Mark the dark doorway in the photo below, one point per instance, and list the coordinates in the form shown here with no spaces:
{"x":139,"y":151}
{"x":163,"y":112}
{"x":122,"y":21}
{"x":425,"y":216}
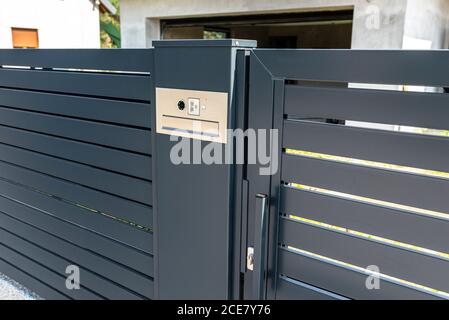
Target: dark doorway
{"x":319,"y":30}
{"x":283,"y":42}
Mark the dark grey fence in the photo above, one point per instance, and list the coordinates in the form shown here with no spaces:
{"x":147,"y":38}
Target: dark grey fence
{"x":75,"y":171}
{"x":322,"y":242}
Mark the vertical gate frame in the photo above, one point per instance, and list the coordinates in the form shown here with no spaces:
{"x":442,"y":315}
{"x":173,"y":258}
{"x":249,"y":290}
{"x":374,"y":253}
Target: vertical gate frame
{"x":264,"y":113}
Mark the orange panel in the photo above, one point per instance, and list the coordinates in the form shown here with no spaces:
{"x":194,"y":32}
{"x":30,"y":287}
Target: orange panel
{"x":25,"y":38}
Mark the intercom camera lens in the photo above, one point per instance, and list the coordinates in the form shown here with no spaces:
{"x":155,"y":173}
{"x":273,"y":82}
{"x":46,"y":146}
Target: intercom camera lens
{"x":181,"y":105}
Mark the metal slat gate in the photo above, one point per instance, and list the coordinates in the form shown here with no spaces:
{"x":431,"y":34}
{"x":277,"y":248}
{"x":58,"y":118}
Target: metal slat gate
{"x":75,"y":171}
{"x":353,"y":211}
{"x":347,"y":206}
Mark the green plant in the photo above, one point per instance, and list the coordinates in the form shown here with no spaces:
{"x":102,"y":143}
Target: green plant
{"x":110,"y":27}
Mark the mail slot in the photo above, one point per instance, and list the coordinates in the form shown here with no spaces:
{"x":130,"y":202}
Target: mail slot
{"x":189,"y":127}
{"x":201,"y":115}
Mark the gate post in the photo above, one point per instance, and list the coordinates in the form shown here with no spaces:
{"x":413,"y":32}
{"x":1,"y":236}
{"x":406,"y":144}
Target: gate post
{"x":193,"y":203}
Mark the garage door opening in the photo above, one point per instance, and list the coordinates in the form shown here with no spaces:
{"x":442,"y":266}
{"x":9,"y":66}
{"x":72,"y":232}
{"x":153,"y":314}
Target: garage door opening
{"x":319,"y":30}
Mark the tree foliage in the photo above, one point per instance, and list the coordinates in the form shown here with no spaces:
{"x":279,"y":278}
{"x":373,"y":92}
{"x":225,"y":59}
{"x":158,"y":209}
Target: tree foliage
{"x":110,"y":27}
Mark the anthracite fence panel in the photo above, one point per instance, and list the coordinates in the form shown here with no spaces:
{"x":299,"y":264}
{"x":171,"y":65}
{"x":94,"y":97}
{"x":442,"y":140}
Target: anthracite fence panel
{"x":76,"y":171}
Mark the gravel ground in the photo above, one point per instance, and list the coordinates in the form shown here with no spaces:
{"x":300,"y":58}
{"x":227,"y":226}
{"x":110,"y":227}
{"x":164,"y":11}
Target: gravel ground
{"x":11,"y":290}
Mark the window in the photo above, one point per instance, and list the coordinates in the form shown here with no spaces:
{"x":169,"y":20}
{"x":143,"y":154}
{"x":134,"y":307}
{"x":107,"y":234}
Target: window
{"x":25,"y":38}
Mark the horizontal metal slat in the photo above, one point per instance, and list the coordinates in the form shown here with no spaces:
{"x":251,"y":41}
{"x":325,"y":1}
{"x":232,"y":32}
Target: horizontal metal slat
{"x":101,"y":157}
{"x":137,"y":140}
{"x":81,"y":237}
{"x":30,"y":282}
{"x":392,"y":261}
{"x":425,"y":110}
{"x":410,"y":67}
{"x":406,"y":149}
{"x":140,"y":60}
{"x":58,"y":265}
{"x":419,"y":230}
{"x":123,"y":186}
{"x":120,"y":86}
{"x":86,"y":258}
{"x":103,"y":202}
{"x":343,"y":281}
{"x":399,"y":188}
{"x":76,"y":215}
{"x":107,"y":110}
{"x":288,"y":289}
{"x":47,"y":276}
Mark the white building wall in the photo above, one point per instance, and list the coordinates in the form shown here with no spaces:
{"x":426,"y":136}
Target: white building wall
{"x":60,"y":23}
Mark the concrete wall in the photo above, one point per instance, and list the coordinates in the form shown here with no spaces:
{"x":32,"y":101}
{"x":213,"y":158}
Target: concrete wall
{"x":137,"y":15}
{"x":381,"y":24}
{"x":378,"y":24}
{"x":427,"y":21}
{"x":60,"y":23}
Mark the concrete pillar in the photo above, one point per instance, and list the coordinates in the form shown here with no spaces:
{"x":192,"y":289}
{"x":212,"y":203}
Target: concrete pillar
{"x":152,"y":31}
{"x":426,"y":24}
{"x":400,"y":24}
{"x":378,"y":24}
{"x":133,"y":24}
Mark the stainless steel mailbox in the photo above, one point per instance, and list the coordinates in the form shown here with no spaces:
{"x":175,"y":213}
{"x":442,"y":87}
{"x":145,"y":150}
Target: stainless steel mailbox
{"x":201,"y":115}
